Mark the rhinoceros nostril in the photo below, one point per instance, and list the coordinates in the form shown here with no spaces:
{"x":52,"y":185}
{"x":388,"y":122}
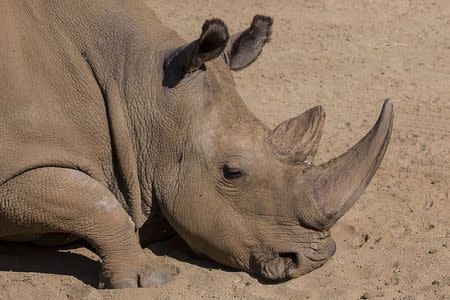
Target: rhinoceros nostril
{"x":291,"y":258}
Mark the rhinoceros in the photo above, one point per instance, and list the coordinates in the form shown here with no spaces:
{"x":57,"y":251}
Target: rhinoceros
{"x":116,"y":131}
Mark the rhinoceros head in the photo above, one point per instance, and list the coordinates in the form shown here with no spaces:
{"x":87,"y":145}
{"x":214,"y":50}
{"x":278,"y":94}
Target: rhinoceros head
{"x":240,"y":193}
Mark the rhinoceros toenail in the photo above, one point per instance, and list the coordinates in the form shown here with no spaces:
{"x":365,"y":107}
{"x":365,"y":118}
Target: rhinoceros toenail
{"x":155,"y":279}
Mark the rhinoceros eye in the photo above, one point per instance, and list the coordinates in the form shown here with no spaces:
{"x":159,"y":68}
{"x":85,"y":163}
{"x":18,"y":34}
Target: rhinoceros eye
{"x":230,"y":173}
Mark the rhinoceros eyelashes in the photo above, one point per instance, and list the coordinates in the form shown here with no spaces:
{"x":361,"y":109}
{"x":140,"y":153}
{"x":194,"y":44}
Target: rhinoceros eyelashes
{"x":230,"y":173}
{"x":191,"y":57}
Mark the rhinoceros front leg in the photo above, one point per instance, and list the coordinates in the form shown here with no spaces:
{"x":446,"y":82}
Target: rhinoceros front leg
{"x":63,"y":200}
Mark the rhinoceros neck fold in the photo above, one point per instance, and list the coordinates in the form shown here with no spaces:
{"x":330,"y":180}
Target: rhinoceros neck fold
{"x":122,"y":45}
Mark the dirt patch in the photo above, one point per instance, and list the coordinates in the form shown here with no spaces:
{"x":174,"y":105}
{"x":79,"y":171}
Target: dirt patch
{"x":347,"y":56}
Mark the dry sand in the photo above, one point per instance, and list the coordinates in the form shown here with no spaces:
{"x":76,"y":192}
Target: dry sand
{"x":347,"y":56}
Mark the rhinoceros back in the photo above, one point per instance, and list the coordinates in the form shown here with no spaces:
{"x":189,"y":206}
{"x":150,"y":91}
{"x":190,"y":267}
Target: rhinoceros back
{"x":51,"y":109}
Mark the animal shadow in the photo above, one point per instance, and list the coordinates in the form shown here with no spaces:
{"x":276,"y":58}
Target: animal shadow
{"x":25,"y":257}
{"x":177,"y":249}
{"x":48,"y":260}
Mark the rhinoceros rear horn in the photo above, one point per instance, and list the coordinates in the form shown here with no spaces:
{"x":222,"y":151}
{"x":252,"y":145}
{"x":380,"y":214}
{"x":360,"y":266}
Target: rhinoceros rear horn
{"x":335,"y":186}
{"x":297,"y":140}
{"x":192,"y":56}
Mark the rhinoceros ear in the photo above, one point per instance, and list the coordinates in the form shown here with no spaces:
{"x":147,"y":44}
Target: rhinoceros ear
{"x":245,"y":47}
{"x":296,"y":140}
{"x":192,"y":56}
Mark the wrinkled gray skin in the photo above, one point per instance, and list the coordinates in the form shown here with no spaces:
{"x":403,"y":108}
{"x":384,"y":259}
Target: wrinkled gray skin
{"x":115,"y":130}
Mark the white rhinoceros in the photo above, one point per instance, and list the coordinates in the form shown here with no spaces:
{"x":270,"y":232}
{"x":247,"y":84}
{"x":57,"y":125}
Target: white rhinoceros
{"x":114,"y":130}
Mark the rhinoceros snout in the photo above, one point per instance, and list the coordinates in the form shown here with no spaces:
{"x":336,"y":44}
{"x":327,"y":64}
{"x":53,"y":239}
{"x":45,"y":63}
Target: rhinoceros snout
{"x":282,"y":266}
{"x":311,"y":259}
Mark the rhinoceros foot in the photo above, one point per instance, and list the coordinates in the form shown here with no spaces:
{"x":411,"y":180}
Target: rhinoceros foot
{"x":144,"y":272}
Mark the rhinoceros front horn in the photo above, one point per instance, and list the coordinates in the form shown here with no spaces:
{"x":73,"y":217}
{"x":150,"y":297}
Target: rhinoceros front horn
{"x":335,"y":186}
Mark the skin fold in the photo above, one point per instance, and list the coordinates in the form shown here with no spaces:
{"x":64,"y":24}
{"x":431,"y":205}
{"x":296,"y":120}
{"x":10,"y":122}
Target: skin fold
{"x":115,"y":130}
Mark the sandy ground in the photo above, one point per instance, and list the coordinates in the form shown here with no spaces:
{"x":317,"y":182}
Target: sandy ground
{"x":347,"y":56}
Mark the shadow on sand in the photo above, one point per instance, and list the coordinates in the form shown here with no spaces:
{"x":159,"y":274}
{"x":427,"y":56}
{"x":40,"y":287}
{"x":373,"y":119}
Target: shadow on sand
{"x":25,"y":257}
{"x":177,"y":249}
